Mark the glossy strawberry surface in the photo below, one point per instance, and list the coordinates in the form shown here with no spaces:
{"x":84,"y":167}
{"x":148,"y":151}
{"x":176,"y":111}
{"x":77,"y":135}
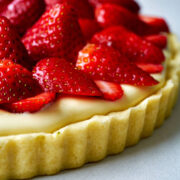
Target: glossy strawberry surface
{"x":58,"y":75}
{"x":16,"y":82}
{"x":151,"y":68}
{"x":128,"y":4}
{"x":11,"y":46}
{"x":156,"y":25}
{"x":107,"y":64}
{"x":4,"y":3}
{"x":89,"y":27}
{"x":23,"y":13}
{"x":56,"y":34}
{"x":158,"y":40}
{"x":82,"y":7}
{"x":130,"y":45}
{"x":32,"y":104}
{"x":108,"y":15}
{"x":111,"y":91}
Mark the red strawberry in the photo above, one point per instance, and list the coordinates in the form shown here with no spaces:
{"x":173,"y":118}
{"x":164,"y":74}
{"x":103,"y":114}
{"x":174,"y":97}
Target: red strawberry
{"x":57,"y":75}
{"x":16,"y":82}
{"x":151,"y":68}
{"x":83,"y":8}
{"x":111,"y":91}
{"x":56,"y":34}
{"x":156,"y":25}
{"x":131,"y":5}
{"x":110,"y":15}
{"x":32,"y":104}
{"x":4,"y":3}
{"x":11,"y":46}
{"x":107,"y":64}
{"x":130,"y":45}
{"x":158,"y":40}
{"x":89,"y":27}
{"x":23,"y":13}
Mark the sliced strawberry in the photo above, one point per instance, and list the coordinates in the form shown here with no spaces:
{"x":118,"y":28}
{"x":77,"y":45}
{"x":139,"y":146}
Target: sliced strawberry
{"x":111,"y":15}
{"x":107,"y":64}
{"x":32,"y":104}
{"x":158,"y":40}
{"x":83,"y":8}
{"x":156,"y":24}
{"x":151,"y":68}
{"x":56,"y":34}
{"x":130,"y":45}
{"x":89,"y":27}
{"x":57,"y":75}
{"x":23,"y":13}
{"x":16,"y":82}
{"x":111,"y":91}
{"x":131,"y":5}
{"x":11,"y":46}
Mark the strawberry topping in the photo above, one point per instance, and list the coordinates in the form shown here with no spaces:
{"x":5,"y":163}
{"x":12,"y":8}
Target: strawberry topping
{"x":151,"y":68}
{"x":32,"y":104}
{"x":23,"y":13}
{"x":131,"y":5}
{"x":123,"y":47}
{"x":130,"y":45}
{"x":111,"y":15}
{"x":107,"y":64}
{"x":111,"y":91}
{"x":82,"y":7}
{"x":156,"y":25}
{"x":158,"y":40}
{"x":58,"y":75}
{"x":4,"y":3}
{"x":10,"y":45}
{"x":16,"y":82}
{"x":89,"y":27}
{"x":56,"y":34}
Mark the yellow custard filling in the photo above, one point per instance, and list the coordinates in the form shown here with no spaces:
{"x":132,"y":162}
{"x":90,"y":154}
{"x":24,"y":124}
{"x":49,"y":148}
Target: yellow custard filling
{"x":68,"y":110}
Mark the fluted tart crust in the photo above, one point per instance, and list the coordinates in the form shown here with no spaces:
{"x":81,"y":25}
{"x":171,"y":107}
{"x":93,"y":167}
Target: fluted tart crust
{"x":28,"y":155}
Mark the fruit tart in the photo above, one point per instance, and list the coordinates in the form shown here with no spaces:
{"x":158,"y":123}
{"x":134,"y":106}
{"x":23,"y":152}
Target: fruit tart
{"x":80,"y":80}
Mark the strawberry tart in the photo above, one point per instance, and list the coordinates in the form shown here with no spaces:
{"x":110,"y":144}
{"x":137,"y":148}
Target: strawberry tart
{"x":80,"y":80}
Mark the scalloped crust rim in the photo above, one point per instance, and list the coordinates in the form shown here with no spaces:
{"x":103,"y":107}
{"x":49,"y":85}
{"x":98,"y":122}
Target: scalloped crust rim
{"x":26,"y":156}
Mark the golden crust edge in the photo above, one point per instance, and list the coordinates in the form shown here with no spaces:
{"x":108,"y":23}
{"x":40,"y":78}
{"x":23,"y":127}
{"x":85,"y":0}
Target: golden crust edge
{"x":26,"y":156}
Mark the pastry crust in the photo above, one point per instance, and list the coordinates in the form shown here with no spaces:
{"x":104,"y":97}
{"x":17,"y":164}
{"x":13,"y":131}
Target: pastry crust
{"x":25,"y":156}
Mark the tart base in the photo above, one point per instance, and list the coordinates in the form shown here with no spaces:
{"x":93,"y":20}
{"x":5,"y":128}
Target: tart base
{"x":29,"y":155}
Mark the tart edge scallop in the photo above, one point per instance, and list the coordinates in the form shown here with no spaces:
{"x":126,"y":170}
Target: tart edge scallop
{"x":29,"y":155}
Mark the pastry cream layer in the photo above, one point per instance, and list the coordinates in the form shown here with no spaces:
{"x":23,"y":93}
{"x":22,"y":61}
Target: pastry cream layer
{"x":69,"y":110}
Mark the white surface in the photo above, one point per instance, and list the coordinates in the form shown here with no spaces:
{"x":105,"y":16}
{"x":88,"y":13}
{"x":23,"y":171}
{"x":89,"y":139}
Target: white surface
{"x":155,"y":158}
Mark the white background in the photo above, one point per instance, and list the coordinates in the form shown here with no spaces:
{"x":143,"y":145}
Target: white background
{"x":155,"y":158}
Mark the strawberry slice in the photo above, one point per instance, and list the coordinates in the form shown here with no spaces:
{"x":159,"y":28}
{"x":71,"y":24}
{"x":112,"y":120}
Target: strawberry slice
{"x":130,"y":45}
{"x":156,"y":24}
{"x":11,"y":46}
{"x":107,"y":64}
{"x":83,"y":8}
{"x":131,"y":5}
{"x":16,"y":82}
{"x":111,"y":91}
{"x":32,"y":104}
{"x":89,"y":27}
{"x":23,"y":13}
{"x":111,"y":15}
{"x":151,"y":68}
{"x":59,"y":76}
{"x":56,"y":34}
{"x":158,"y":40}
